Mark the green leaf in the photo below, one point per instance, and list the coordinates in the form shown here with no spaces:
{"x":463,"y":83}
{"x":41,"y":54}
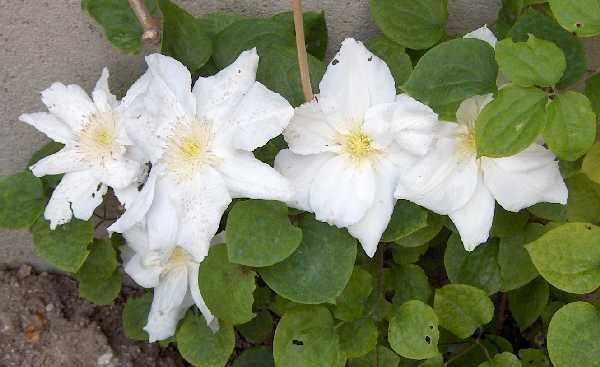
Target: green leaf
{"x":259,"y":233}
{"x":394,"y":56}
{"x":410,"y":283}
{"x":568,"y":257}
{"x":508,"y":223}
{"x":462,"y":309}
{"x":581,"y":17}
{"x":516,"y":268}
{"x":50,"y":181}
{"x":278,"y":70}
{"x":573,"y":336}
{"x":202,"y":347}
{"x":423,"y":235}
{"x":413,"y":24}
{"x":407,"y":218}
{"x":452,"y":72}
{"x":511,"y":122}
{"x":246,"y":34}
{"x":101,"y":291}
{"x":380,"y":357}
{"x":296,"y":320}
{"x":528,"y":303}
{"x":226,"y":288}
{"x":503,"y":360}
{"x":534,"y":62}
{"x":507,"y":16}
{"x":583,"y":204}
{"x":118,"y":21}
{"x":437,"y":361}
{"x":534,"y":358}
{"x":358,"y":337}
{"x":591,"y":163}
{"x":549,"y":211}
{"x":267,"y":152}
{"x":100,"y":264}
{"x":319,"y":269}
{"x":22,"y":200}
{"x":478,"y":268}
{"x":315,"y":347}
{"x":66,"y":247}
{"x":135,"y":316}
{"x":259,"y":329}
{"x":214,"y":23}
{"x":571,"y":127}
{"x":255,"y":357}
{"x":413,"y":331}
{"x":315,"y":30}
{"x":184,"y":37}
{"x":408,"y":255}
{"x":546,"y":28}
{"x":592,"y":91}
{"x":350,"y":304}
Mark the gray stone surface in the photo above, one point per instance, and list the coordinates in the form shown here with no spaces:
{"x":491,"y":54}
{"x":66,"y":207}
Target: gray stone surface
{"x":42,"y":41}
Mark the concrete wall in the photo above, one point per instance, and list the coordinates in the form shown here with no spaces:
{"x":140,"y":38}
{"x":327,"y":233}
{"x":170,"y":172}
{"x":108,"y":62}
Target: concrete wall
{"x":42,"y":41}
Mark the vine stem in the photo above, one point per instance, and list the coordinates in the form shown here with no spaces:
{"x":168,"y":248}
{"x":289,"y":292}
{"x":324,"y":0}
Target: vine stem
{"x":301,"y":46}
{"x":147,"y":21}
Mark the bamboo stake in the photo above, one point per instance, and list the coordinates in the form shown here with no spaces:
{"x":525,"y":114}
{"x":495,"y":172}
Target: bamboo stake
{"x":301,"y":46}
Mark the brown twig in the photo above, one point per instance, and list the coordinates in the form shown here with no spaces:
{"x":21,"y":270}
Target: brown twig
{"x":147,"y":21}
{"x":301,"y":46}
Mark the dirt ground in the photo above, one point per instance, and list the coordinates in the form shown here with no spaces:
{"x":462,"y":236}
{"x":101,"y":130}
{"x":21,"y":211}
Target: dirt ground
{"x":44,"y":323}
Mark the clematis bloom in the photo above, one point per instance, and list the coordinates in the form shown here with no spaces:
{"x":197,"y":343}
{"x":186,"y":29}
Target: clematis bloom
{"x":97,"y":151}
{"x":173,"y":273}
{"x":200,"y":145}
{"x":348,"y":146}
{"x":451,"y":179}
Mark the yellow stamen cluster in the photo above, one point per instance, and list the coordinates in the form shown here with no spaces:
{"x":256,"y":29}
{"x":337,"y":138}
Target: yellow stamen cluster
{"x":358,"y":145}
{"x":98,"y":138}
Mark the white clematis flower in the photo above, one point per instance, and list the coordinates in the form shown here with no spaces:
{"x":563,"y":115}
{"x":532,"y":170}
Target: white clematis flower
{"x":200,"y":144}
{"x":452,"y":181}
{"x":485,"y":34}
{"x":348,"y":146}
{"x":173,"y":273}
{"x":97,"y":151}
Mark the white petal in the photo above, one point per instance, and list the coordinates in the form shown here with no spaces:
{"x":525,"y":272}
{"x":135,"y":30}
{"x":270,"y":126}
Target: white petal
{"x":197,"y":296}
{"x":137,"y":88}
{"x":474,"y":220}
{"x":484,"y":34}
{"x":70,"y":103}
{"x":127,"y":195}
{"x":309,"y":131}
{"x":379,"y":125}
{"x":300,"y":170}
{"x":80,"y":192}
{"x":136,"y":212}
{"x":137,"y":238}
{"x":144,"y":274}
{"x":247,"y":177}
{"x":103,"y":98}
{"x":171,"y":291}
{"x":217,"y":95}
{"x":372,"y":225}
{"x":175,"y":77}
{"x":260,"y":116}
{"x":161,"y":326}
{"x":200,"y":207}
{"x":342,"y":191}
{"x":162,"y":220}
{"x":443,"y":181}
{"x":469,"y":109}
{"x":414,"y":125}
{"x":64,"y":161}
{"x":50,"y":125}
{"x":118,"y":174}
{"x":354,"y":81}
{"x":529,"y":177}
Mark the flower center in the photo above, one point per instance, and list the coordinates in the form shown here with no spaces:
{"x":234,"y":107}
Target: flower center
{"x":189,"y":148}
{"x":178,"y":258}
{"x":98,"y":138}
{"x":466,"y":146}
{"x":358,"y":145}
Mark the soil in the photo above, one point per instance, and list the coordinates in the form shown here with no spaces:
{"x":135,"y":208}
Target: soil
{"x":44,"y":323}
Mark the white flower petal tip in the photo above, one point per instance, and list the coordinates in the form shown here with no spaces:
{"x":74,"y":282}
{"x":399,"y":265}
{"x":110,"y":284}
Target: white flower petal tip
{"x":484,"y":34}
